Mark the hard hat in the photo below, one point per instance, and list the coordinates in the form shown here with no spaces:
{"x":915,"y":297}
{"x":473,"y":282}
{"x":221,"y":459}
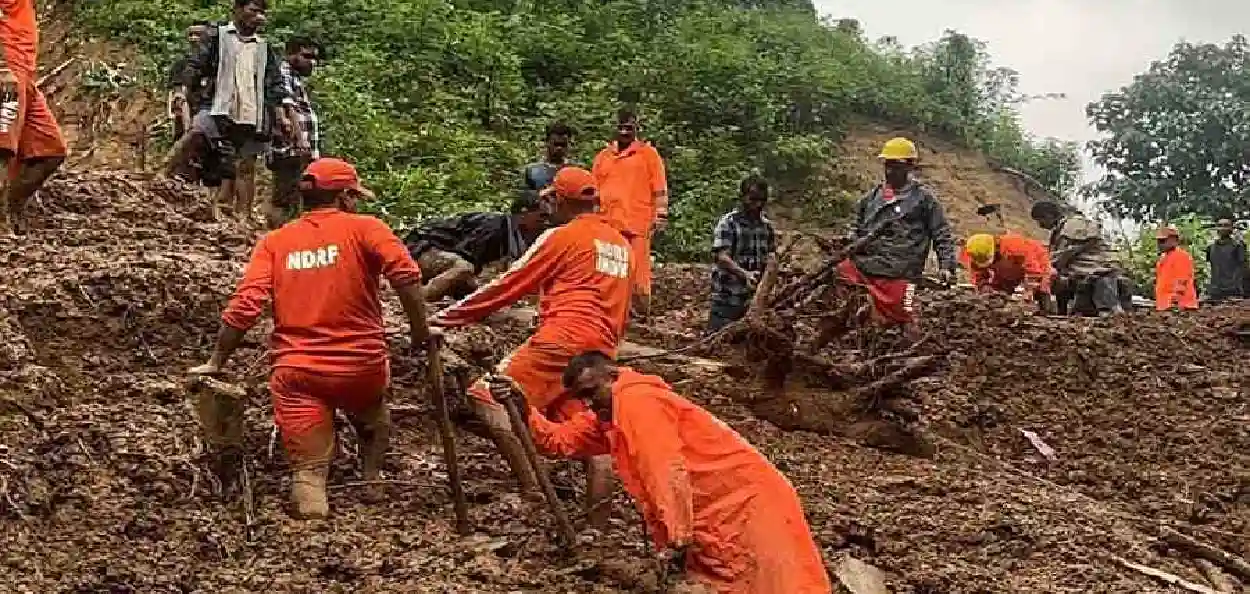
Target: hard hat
{"x":899,"y":149}
{"x":1167,"y":233}
{"x":981,"y":250}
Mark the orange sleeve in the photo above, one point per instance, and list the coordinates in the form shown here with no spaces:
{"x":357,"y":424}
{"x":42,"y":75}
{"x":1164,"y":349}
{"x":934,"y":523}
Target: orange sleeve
{"x":523,"y":278}
{"x":253,"y":292}
{"x":653,"y":447}
{"x":978,"y":276}
{"x":396,"y":263}
{"x":658,"y":181}
{"x":576,"y":437}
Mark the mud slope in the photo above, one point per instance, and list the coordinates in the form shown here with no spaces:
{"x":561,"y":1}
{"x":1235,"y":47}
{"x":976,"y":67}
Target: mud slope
{"x":104,"y":483}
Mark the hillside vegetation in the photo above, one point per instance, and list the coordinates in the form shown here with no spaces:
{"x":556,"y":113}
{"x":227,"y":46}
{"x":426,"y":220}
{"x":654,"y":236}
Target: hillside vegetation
{"x":442,"y":101}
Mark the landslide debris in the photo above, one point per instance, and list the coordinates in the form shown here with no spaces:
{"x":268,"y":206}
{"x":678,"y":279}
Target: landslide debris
{"x":104,"y":482}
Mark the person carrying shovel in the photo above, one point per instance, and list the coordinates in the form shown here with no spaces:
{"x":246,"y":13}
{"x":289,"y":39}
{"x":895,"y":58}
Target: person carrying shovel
{"x":896,"y":224}
{"x":328,"y":346}
{"x":717,"y":509}
{"x":581,"y":271}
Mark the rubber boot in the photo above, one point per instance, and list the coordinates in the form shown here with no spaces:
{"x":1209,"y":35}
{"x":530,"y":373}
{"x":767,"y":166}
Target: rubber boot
{"x":373,"y":428}
{"x":598,"y":490}
{"x":308,"y":492}
{"x":310,"y":463}
{"x":219,"y":410}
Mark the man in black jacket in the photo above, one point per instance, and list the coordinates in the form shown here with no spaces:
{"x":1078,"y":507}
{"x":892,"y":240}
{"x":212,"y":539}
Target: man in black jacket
{"x":451,"y":252}
{"x":898,"y":222}
{"x":1227,"y":256}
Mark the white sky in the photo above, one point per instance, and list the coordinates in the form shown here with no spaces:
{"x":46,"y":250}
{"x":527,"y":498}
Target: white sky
{"x":1079,"y":47}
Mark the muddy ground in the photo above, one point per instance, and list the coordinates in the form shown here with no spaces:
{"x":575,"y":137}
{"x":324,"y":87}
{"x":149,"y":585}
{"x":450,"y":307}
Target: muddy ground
{"x":104,"y":482}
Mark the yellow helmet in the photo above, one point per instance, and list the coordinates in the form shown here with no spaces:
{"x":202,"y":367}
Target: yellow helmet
{"x":899,"y":149}
{"x":981,"y":250}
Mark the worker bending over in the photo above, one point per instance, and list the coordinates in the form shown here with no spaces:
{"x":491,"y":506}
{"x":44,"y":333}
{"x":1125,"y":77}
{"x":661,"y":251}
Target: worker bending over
{"x":452,"y":252}
{"x":328,"y":347}
{"x":898,"y":221}
{"x":706,"y":495}
{"x":634,"y":189}
{"x":1006,"y":262}
{"x":1174,"y":273}
{"x":31,"y":146}
{"x":1084,"y":263}
{"x":581,"y":272}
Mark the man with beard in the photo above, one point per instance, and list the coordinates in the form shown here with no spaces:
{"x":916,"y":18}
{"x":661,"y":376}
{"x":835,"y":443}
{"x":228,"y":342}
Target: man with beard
{"x":744,"y":243}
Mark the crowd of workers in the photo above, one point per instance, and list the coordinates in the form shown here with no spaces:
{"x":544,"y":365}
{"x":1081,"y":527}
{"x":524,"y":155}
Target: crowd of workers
{"x":578,"y":238}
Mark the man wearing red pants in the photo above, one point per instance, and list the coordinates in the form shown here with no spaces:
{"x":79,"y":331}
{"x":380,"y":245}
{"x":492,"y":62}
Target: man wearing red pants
{"x":581,"y":272}
{"x":328,"y":346}
{"x":31,"y":147}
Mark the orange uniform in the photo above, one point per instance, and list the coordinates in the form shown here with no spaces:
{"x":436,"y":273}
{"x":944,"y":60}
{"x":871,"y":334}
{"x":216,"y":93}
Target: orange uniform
{"x":696,"y":480}
{"x":1017,"y":260}
{"x":27,"y":126}
{"x":1174,"y":281}
{"x":634,"y":191}
{"x":328,"y":346}
{"x":581,"y":272}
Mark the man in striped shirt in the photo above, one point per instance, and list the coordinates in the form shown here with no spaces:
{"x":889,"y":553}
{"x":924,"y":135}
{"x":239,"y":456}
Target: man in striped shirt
{"x":289,"y":156}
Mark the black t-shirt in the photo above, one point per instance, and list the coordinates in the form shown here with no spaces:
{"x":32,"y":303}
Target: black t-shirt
{"x":479,"y":237}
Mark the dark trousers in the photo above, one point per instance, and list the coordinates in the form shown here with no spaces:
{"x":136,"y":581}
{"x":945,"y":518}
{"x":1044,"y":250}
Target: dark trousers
{"x":1093,"y":294}
{"x":722,"y":315}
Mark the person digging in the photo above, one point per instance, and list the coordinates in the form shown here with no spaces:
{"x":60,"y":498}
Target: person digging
{"x":1085,"y":265}
{"x":1004,"y":263}
{"x":581,"y":272}
{"x":328,"y":348}
{"x":725,"y":518}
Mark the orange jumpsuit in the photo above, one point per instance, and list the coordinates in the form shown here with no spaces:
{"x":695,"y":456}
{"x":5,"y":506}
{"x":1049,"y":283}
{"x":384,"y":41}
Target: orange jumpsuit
{"x":581,"y":272}
{"x":696,"y":480}
{"x":328,"y":345}
{"x":633,"y":190}
{"x":1018,"y":260}
{"x":27,"y":127}
{"x":1174,"y":281}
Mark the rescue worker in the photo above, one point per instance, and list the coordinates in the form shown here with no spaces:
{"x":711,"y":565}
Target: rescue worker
{"x":634,"y":190}
{"x":1007,"y":262}
{"x":328,"y":348}
{"x":31,"y":145}
{"x":1227,"y":257}
{"x":452,"y":252}
{"x":580,"y":270}
{"x":1084,"y":263}
{"x":902,"y":220}
{"x":1174,"y":273}
{"x":743,"y":244}
{"x":717,"y":505}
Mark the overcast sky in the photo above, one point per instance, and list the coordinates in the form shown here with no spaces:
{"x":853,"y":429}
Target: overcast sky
{"x":1079,"y":47}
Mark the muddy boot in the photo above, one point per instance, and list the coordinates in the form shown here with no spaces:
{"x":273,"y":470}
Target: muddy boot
{"x":219,"y":409}
{"x":373,"y":428}
{"x":598,"y":490}
{"x":308,"y":492}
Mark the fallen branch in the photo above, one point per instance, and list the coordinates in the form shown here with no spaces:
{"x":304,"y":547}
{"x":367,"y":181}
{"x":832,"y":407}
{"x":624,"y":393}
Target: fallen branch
{"x":1222,"y":583}
{"x":43,"y":80}
{"x":1191,"y":546}
{"x":1164,"y":576}
{"x":912,"y":368}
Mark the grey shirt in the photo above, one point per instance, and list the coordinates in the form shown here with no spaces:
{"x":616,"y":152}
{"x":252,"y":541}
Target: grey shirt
{"x":912,"y":223}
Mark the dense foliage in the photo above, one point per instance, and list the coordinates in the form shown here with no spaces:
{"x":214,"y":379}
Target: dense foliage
{"x":442,"y":101}
{"x":1177,"y":140}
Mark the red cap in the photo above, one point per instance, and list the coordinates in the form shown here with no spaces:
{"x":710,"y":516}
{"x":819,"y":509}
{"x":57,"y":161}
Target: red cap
{"x":574,"y":183}
{"x":333,"y":174}
{"x":1167,"y":233}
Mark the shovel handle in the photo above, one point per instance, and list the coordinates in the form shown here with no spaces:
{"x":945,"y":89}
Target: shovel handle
{"x":448,"y":435}
{"x":564,"y":528}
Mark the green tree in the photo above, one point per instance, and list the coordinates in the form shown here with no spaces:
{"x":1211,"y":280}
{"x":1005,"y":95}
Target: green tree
{"x":1177,"y":140}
